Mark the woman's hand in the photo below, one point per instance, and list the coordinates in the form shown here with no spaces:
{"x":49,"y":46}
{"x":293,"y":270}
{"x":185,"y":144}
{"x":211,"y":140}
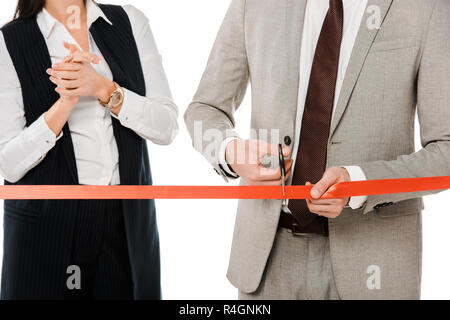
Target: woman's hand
{"x":71,"y":101}
{"x":76,"y":77}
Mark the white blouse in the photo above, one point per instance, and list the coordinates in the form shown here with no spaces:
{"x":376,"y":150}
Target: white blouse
{"x":153,"y":117}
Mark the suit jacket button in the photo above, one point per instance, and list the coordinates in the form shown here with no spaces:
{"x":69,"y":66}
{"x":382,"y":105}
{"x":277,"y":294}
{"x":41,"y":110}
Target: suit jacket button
{"x":287,"y":140}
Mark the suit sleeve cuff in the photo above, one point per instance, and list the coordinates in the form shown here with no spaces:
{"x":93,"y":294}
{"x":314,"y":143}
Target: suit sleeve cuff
{"x":356,"y":174}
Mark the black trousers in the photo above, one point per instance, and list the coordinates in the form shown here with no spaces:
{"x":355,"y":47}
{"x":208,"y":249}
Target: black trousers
{"x":99,"y":253}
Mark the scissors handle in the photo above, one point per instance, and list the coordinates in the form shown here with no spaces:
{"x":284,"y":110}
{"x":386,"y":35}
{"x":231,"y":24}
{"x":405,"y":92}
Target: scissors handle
{"x":281,"y":159}
{"x":282,"y":167}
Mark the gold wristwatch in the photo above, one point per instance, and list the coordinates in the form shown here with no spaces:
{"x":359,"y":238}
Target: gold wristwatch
{"x":116,"y":98}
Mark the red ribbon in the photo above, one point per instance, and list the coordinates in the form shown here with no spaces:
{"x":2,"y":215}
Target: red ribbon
{"x":341,"y":190}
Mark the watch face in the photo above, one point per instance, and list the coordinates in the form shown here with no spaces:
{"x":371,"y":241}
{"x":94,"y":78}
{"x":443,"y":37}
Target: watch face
{"x":116,"y":99}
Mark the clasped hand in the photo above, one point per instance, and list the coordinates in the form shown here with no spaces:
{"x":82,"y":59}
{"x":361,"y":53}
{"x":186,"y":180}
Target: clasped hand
{"x":76,"y":77}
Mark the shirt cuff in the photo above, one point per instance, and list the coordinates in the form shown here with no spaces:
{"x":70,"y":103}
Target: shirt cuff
{"x":356,"y":174}
{"x":39,"y":138}
{"x":40,"y":131}
{"x":222,"y":157}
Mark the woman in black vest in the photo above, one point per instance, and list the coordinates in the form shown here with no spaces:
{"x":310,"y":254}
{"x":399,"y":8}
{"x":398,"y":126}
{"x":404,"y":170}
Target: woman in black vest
{"x":80,"y":113}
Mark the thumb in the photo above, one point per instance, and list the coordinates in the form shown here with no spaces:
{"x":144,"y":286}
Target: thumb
{"x":308,"y":184}
{"x":265,"y":148}
{"x":286,"y":151}
{"x":71,"y":47}
{"x":323,"y":185}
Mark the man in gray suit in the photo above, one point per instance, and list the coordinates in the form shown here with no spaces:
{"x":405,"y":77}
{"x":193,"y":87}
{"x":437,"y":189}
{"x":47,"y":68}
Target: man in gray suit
{"x":338,"y":83}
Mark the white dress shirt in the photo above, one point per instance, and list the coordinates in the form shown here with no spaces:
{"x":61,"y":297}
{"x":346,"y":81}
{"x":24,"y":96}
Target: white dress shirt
{"x":153,"y":117}
{"x":316,"y":11}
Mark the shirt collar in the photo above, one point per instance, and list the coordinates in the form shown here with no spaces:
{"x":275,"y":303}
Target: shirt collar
{"x":47,"y":22}
{"x":94,"y":13}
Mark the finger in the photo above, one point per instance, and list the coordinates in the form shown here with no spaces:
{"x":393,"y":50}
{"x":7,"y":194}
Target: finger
{"x":323,"y":185}
{"x":66,"y":75}
{"x":288,"y":174}
{"x":286,"y":151}
{"x":67,"y":67}
{"x":67,"y":84}
{"x":322,"y":210}
{"x":86,"y":57}
{"x":265,"y":149}
{"x":328,"y":202}
{"x":268,"y":174}
{"x":271,"y":183}
{"x":308,"y":184}
{"x":288,"y":164}
{"x":67,"y":93}
{"x":67,"y":59}
{"x":82,"y":56}
{"x":271,"y":175}
{"x":71,"y":47}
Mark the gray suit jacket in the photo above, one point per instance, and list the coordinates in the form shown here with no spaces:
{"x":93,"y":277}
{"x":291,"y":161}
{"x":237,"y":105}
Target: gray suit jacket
{"x":395,"y":70}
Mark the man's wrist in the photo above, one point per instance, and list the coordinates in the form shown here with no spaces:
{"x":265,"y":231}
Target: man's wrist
{"x":356,"y":174}
{"x":346,"y":175}
{"x":229,"y":154}
{"x":222,"y":157}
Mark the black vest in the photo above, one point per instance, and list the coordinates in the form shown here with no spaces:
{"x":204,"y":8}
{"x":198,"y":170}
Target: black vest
{"x":38,"y":234}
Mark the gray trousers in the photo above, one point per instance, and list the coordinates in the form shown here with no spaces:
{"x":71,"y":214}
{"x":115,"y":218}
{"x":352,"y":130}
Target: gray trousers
{"x":299,"y":268}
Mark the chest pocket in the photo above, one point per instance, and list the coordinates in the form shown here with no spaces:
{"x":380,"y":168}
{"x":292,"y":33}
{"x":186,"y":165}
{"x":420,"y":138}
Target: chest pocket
{"x":394,"y":44}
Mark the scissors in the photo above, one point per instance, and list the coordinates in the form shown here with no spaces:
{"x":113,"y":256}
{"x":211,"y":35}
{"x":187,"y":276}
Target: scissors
{"x":283,"y":172}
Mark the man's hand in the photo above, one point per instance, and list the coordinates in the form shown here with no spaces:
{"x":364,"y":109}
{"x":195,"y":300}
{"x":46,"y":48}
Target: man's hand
{"x":246,"y":156}
{"x":330,"y":208}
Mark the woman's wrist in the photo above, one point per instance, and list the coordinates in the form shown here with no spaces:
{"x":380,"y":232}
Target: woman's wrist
{"x":67,"y":102}
{"x":58,"y":114}
{"x":105,"y":89}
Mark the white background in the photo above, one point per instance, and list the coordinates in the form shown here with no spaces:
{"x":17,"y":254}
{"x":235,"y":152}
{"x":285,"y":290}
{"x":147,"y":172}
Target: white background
{"x":196,"y":235}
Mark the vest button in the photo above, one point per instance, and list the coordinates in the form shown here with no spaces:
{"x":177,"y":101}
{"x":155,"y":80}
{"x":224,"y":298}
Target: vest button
{"x":287,"y":140}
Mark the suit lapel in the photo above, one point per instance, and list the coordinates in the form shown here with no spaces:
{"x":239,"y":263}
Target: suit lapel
{"x":363,"y":43}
